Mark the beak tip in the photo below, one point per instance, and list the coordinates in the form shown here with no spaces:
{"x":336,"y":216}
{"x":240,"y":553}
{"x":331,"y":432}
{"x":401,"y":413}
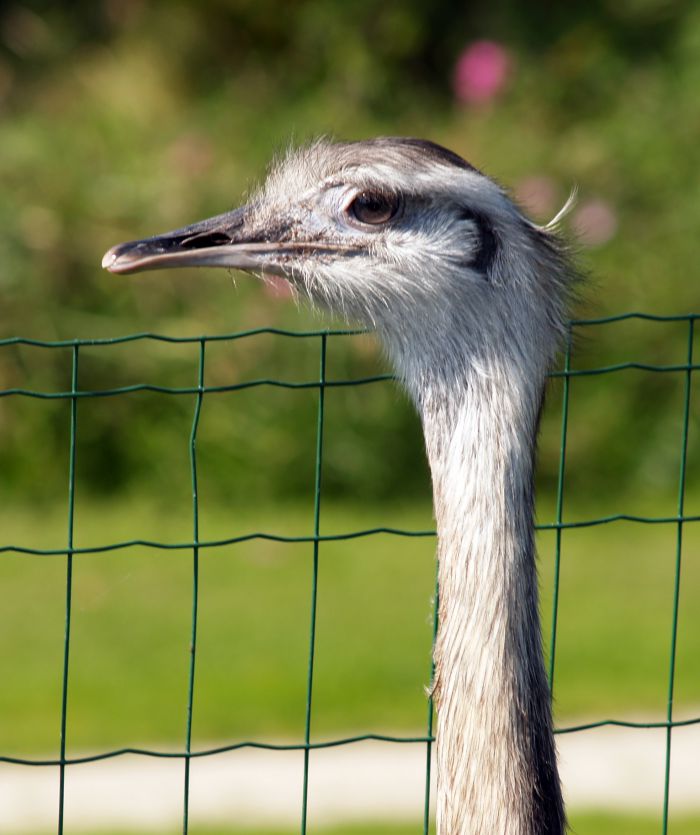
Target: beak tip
{"x":108,"y":259}
{"x":114,"y":262}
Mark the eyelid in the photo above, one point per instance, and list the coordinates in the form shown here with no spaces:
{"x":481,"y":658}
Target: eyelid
{"x":352,"y":195}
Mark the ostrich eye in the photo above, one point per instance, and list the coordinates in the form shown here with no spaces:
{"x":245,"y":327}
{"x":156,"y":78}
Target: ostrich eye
{"x":374,"y":208}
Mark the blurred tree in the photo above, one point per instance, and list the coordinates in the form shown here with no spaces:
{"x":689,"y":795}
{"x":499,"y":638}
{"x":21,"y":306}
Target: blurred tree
{"x":123,"y":117}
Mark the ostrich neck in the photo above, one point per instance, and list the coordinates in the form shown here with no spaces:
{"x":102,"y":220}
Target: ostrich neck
{"x":495,"y":751}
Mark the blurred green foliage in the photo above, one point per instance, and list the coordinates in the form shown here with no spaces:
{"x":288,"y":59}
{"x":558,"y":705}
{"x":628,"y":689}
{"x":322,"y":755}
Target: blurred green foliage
{"x":121,"y":118}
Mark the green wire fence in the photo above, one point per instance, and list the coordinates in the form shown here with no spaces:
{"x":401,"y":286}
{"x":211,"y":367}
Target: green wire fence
{"x":75,"y":395}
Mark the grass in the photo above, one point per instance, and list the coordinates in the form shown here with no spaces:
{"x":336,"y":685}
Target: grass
{"x":606,"y":823}
{"x":582,"y":823}
{"x":131,"y":614}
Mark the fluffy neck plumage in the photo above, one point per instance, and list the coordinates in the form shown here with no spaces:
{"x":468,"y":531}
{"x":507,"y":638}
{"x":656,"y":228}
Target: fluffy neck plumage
{"x":495,"y":752}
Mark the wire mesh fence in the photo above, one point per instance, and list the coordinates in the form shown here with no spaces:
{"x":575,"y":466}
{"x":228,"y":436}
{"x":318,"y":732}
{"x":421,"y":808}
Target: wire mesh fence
{"x":199,"y":391}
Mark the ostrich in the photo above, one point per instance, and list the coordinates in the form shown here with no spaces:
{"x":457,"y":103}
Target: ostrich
{"x":469,"y":298}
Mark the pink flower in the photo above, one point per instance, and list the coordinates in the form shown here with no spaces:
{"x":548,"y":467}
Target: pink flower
{"x":595,"y":222}
{"x":539,"y":195}
{"x":481,"y":72}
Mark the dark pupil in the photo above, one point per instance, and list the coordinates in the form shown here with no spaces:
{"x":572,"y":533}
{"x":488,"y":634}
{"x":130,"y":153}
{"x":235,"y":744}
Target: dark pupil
{"x":373,"y":208}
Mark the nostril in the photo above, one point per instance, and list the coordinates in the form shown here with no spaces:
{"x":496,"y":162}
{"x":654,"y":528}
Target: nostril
{"x":204,"y":240}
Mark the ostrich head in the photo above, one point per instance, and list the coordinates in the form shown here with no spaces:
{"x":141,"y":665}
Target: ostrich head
{"x":396,"y":233}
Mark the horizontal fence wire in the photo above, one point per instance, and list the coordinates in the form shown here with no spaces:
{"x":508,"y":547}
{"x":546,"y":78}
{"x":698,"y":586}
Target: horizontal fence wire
{"x":322,"y":383}
{"x":334,"y":537}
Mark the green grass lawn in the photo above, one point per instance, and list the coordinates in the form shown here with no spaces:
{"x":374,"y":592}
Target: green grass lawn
{"x":131,"y":613}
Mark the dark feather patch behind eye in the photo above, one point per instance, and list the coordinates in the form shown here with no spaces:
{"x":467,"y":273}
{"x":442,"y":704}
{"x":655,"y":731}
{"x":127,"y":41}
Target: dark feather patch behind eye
{"x":487,"y":242}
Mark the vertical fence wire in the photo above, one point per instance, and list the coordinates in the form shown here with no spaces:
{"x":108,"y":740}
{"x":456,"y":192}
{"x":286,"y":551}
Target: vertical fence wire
{"x":314,"y":579}
{"x":195,"y":584}
{"x":677,"y":571}
{"x":560,"y":506}
{"x":69,"y":585}
{"x":431,"y":708}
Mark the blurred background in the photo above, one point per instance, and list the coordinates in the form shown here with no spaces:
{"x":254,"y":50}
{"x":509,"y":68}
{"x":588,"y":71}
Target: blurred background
{"x":122,"y":118}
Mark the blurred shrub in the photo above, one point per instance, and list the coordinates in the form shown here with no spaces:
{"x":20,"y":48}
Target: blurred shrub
{"x":121,"y":118}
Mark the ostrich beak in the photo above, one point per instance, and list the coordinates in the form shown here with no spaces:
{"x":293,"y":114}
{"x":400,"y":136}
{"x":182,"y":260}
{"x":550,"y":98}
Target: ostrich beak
{"x":229,"y":240}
